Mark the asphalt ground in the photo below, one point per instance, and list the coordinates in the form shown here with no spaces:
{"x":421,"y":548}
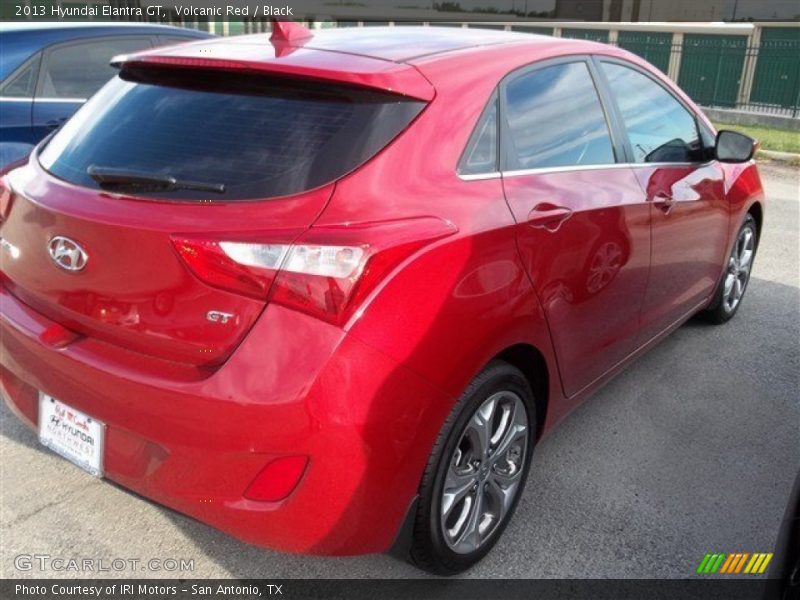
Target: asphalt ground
{"x":692,"y":449}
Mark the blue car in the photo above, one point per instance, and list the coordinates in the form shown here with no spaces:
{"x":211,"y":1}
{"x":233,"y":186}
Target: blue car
{"x":47,"y":71}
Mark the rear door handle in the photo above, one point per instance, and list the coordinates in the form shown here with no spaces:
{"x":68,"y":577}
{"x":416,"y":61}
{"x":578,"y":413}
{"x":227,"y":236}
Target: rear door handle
{"x":55,"y":123}
{"x":548,"y":216}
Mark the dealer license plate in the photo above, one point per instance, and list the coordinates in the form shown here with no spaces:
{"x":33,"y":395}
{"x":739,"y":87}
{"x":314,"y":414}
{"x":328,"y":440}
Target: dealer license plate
{"x":74,"y":435}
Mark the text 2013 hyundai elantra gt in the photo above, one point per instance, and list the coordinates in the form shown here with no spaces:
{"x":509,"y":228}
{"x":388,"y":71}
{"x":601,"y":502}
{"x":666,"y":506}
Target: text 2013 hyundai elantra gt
{"x":325,"y":292}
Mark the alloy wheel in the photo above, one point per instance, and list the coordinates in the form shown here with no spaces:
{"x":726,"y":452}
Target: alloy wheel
{"x":484,"y":472}
{"x":738,"y":273}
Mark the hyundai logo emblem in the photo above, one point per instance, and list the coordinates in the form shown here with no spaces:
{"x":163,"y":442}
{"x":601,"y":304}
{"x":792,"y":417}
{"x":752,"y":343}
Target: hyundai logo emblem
{"x":67,"y":254}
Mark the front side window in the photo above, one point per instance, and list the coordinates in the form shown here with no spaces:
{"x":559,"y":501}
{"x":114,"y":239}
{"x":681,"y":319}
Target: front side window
{"x":227,"y":136}
{"x":555,"y":119}
{"x":79,"y":70}
{"x":660,"y":128}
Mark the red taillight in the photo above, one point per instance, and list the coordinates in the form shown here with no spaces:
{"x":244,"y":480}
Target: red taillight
{"x":326,"y":272}
{"x":319,"y":279}
{"x":225,"y":264}
{"x":277,"y":480}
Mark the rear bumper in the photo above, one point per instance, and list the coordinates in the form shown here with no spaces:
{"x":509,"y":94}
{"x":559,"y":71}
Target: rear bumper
{"x":194,"y":440}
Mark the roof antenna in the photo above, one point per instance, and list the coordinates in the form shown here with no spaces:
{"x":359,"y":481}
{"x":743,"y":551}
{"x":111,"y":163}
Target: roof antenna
{"x":287,"y":32}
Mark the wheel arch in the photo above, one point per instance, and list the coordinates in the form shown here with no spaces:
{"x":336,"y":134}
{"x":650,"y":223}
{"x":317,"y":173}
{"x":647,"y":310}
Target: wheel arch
{"x":531,"y":362}
{"x":757,"y":211}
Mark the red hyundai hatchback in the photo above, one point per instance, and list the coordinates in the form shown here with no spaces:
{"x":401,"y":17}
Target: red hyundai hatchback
{"x":325,"y":292}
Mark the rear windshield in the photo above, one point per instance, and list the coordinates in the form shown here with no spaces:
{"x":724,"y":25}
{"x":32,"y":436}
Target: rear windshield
{"x":251,"y":136}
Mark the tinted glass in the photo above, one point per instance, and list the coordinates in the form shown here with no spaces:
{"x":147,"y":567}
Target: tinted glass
{"x":171,"y":40}
{"x":660,"y":129}
{"x":555,"y":119}
{"x":79,"y":70}
{"x":259,"y":137}
{"x":481,"y":153}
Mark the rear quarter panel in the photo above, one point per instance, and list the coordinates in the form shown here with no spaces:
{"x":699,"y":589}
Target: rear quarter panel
{"x":456,"y":304}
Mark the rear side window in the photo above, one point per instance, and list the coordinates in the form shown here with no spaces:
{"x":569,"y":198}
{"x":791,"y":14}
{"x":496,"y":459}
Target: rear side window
{"x":659,"y":128}
{"x":480,"y":156}
{"x":253,"y":136}
{"x":555,"y":119}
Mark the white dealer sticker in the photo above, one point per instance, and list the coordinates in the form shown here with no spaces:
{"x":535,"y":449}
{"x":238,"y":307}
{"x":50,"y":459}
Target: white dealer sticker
{"x":72,"y":434}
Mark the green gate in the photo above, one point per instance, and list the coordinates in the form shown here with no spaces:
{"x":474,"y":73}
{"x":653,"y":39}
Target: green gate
{"x":654,"y":47}
{"x":711,"y":68}
{"x":234,"y":27}
{"x":593,"y":35}
{"x":777,"y":77}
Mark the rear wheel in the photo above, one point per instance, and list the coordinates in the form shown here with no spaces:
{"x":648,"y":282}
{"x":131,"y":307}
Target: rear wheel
{"x":476,"y":472}
{"x":737,"y":274}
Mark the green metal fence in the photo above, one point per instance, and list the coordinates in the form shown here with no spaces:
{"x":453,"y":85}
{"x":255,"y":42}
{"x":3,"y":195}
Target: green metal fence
{"x":594,"y":35}
{"x":655,"y":47}
{"x":711,"y":68}
{"x":777,"y":74}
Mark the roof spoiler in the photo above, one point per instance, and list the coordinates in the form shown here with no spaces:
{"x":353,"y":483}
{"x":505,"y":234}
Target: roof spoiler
{"x":308,"y":63}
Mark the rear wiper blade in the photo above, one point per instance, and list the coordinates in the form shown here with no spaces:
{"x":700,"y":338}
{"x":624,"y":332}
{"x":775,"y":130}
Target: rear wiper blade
{"x":123,"y":178}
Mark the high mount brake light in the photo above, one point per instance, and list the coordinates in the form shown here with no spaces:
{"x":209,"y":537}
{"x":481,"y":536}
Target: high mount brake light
{"x":326,"y":272}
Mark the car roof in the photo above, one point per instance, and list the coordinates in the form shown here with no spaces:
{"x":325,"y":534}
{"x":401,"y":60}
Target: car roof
{"x":376,"y":57}
{"x":401,"y":44}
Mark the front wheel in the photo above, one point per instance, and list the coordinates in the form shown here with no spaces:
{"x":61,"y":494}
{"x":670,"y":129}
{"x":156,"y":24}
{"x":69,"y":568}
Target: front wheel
{"x":737,"y":274}
{"x":476,"y":472}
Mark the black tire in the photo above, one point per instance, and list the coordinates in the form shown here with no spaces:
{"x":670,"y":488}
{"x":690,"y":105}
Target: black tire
{"x":719,"y":311}
{"x":429,"y":549}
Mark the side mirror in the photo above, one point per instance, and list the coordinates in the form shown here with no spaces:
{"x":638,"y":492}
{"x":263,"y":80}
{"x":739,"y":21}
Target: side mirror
{"x":734,"y":147}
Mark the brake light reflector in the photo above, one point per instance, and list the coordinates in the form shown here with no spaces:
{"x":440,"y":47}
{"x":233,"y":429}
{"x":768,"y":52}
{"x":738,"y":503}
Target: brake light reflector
{"x":277,"y":480}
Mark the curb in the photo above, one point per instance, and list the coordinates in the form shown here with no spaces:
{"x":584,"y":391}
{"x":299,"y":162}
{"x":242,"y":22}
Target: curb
{"x":785,"y":157}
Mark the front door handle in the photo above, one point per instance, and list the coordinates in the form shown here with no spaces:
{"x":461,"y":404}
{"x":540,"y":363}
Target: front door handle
{"x":548,"y":216}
